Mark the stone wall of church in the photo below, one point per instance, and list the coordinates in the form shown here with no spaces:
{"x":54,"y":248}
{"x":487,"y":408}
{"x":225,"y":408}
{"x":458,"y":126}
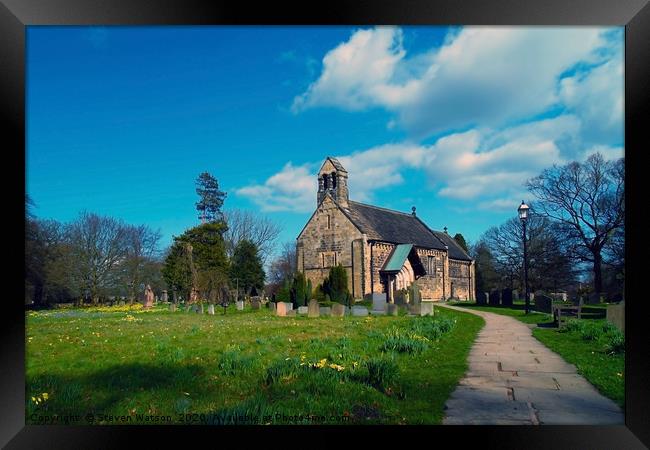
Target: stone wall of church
{"x":432,"y":286}
{"x":326,"y":241}
{"x":377,"y":254}
{"x":461,"y":279}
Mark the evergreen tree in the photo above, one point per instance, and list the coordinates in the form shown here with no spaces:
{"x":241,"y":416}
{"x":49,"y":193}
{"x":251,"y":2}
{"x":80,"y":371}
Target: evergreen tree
{"x":460,"y":240}
{"x":336,"y":285}
{"x":210,"y":198}
{"x":246,"y":266}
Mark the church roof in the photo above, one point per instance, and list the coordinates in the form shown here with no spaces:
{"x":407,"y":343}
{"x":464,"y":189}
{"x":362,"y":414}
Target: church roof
{"x":400,"y":228}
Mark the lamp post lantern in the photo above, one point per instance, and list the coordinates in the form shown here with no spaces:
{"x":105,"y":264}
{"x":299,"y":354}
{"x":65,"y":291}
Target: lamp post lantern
{"x":523,"y":216}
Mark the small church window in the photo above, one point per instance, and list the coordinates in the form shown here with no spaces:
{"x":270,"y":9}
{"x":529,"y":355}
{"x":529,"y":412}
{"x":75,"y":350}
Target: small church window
{"x":329,"y":222}
{"x":333,"y":180}
{"x":431,"y":269}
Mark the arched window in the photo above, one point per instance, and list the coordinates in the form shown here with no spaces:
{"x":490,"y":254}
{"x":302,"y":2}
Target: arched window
{"x":325,"y":182}
{"x":333,"y":180}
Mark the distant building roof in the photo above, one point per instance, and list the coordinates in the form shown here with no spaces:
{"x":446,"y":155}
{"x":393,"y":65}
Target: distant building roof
{"x":455,"y":250}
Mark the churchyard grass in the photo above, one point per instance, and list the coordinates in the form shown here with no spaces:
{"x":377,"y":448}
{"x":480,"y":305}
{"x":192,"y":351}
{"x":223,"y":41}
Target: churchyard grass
{"x":121,"y":366}
{"x":589,"y":343}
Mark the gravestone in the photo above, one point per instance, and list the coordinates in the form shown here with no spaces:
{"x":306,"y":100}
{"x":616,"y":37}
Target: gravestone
{"x":312,"y":309}
{"x":283,"y":308}
{"x":155,"y":299}
{"x":482,"y":298}
{"x":240,"y":305}
{"x":292,"y":313}
{"x":616,"y":315}
{"x":164,"y":297}
{"x":495,"y":298}
{"x":515,"y":294}
{"x":338,"y":310}
{"x":211,"y":309}
{"x":325,"y":311}
{"x":359,"y":311}
{"x":543,"y":303}
{"x":172,"y":307}
{"x":415,"y":310}
{"x":531,"y":295}
{"x":594,"y":298}
{"x":303,"y":310}
{"x":148,"y":297}
{"x":426,"y":309}
{"x":272,"y":306}
{"x":255,"y":303}
{"x":392,"y":309}
{"x":378,"y":302}
{"x":506,"y":297}
{"x":196,"y":309}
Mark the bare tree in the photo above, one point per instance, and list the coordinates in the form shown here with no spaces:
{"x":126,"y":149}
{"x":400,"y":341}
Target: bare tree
{"x":588,"y":201}
{"x":258,"y":229}
{"x":97,"y":247}
{"x":138,"y":265}
{"x":549,"y":265}
{"x":284,"y":266}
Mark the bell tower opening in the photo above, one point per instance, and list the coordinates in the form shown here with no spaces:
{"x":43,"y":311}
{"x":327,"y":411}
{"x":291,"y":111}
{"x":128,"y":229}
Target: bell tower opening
{"x":333,"y":179}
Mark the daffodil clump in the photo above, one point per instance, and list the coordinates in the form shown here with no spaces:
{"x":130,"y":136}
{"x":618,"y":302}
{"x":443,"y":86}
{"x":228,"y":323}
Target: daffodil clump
{"x":41,"y":398}
{"x":130,"y":318}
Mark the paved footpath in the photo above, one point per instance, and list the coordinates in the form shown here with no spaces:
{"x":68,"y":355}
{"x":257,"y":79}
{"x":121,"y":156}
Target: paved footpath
{"x":513,"y":379}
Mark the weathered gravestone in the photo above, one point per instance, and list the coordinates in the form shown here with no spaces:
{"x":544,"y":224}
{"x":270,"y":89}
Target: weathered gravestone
{"x":426,"y":309}
{"x":338,"y":310}
{"x":378,"y":303}
{"x":211,"y":309}
{"x":482,"y":298}
{"x":392,"y":309}
{"x":239,"y":304}
{"x":359,"y":311}
{"x":515,"y":294}
{"x":196,"y":309}
{"x":272,"y":306}
{"x":255,"y":303}
{"x":506,"y":297}
{"x":292,"y":313}
{"x":543,"y":303}
{"x":325,"y":311}
{"x":495,"y":298}
{"x":414,"y":310}
{"x":164,"y":298}
{"x":302,"y":310}
{"x":172,"y":307}
{"x":148,"y":297}
{"x":616,"y":315}
{"x":312,"y":309}
{"x":282,"y":308}
{"x":594,"y":298}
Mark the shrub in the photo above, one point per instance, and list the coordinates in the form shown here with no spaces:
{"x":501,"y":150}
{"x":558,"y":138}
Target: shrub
{"x":591,"y":332}
{"x":616,"y":343}
{"x":432,"y":328}
{"x":404,"y":341}
{"x":573,"y":325}
{"x":381,"y":372}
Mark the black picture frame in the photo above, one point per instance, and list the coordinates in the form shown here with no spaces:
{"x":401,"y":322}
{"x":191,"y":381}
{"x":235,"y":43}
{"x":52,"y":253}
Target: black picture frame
{"x":15,"y":15}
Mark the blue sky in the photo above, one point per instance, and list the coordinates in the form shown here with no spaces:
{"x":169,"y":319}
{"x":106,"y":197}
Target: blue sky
{"x":121,"y":120}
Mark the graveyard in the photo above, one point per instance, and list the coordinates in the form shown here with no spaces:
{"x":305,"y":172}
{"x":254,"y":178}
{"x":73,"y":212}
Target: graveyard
{"x":130,"y":364}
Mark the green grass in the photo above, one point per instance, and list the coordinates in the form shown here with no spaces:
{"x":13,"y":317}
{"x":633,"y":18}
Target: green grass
{"x":250,"y":364}
{"x":587,"y":343}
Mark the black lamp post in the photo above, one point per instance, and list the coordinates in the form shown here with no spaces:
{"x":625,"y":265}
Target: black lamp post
{"x":523,"y":216}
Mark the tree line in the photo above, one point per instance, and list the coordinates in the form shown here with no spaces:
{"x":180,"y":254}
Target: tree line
{"x":575,"y":234}
{"x":96,"y":258}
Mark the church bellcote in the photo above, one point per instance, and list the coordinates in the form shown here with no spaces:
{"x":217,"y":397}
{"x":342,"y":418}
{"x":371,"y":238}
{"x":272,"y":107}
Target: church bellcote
{"x":333,"y":178}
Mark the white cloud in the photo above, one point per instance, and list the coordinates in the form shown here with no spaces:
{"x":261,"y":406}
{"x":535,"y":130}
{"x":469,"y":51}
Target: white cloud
{"x":481,"y":76}
{"x":292,"y":189}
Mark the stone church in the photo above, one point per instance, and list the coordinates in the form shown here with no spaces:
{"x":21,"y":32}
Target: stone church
{"x":383,"y":251}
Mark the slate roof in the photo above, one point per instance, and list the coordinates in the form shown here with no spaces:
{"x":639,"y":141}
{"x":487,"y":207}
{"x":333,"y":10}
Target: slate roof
{"x":392,"y":226}
{"x":455,"y":250}
{"x":397,"y":258}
